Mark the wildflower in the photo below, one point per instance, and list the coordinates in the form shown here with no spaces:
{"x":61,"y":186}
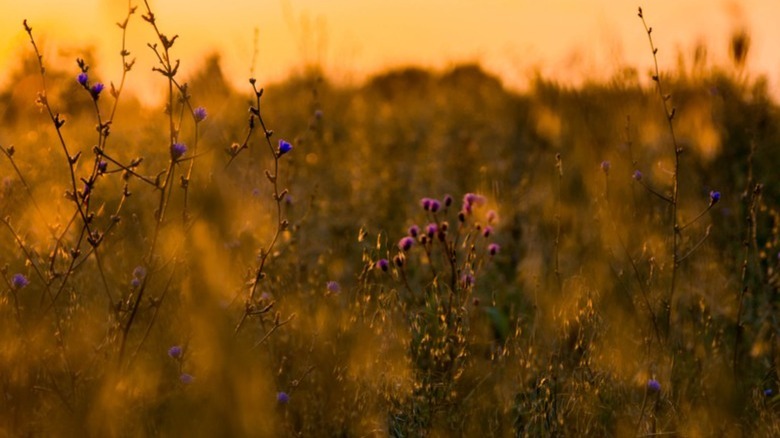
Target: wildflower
{"x":399,"y":260}
{"x":177,"y":150}
{"x":487,"y":231}
{"x":284,"y":147}
{"x":139,"y":272}
{"x":492,"y":216}
{"x":282,"y":398}
{"x":714,"y":197}
{"x":493,"y":249}
{"x":470,"y":200}
{"x":414,"y":230}
{"x":19,"y":281}
{"x":186,"y":378}
{"x":426,"y":203}
{"x":175,"y":352}
{"x":605,"y":166}
{"x":96,"y":89}
{"x":82,"y":79}
{"x":653,"y":385}
{"x":102,"y":166}
{"x":135,"y":282}
{"x":200,"y":114}
{"x":333,"y":287}
{"x":406,"y":243}
{"x":435,"y":205}
{"x":768,"y":392}
{"x":637,"y":175}
{"x":447,"y":200}
{"x":383,"y":264}
{"x":431,"y":229}
{"x":467,"y":280}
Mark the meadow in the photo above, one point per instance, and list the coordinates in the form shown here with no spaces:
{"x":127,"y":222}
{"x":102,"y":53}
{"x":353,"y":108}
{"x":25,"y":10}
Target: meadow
{"x":422,"y":254}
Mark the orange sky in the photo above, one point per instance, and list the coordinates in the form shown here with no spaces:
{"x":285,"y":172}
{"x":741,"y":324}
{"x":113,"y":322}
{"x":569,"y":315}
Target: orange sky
{"x":560,"y":38}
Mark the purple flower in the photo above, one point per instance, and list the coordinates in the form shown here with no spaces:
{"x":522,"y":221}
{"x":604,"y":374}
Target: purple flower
{"x":492,"y":216}
{"x":175,"y":352}
{"x":414,"y":230}
{"x":333,"y":287}
{"x":82,"y":78}
{"x":714,"y":197}
{"x":284,"y":147}
{"x":177,"y":150}
{"x":653,"y":385}
{"x":96,"y":89}
{"x":102,"y":166}
{"x":135,"y":282}
{"x":470,"y":200}
{"x":19,"y":281}
{"x":200,"y":114}
{"x":282,"y":398}
{"x":186,"y":378}
{"x":139,"y":272}
{"x":768,"y":392}
{"x":447,"y":200}
{"x":399,"y":260}
{"x":605,"y":166}
{"x":405,"y":244}
{"x":467,"y":280}
{"x":487,"y":231}
{"x":637,"y":175}
{"x":431,"y":229}
{"x":493,"y":249}
{"x":426,"y":203}
{"x":383,"y":264}
{"x":435,"y":205}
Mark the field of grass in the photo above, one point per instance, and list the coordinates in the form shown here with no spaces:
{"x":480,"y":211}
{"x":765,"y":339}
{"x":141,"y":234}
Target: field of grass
{"x":423,"y":254}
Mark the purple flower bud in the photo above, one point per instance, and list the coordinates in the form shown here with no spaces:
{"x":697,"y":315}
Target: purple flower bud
{"x":447,"y":200}
{"x":653,"y":385}
{"x":186,"y":378}
{"x":768,"y":392}
{"x":102,"y":166}
{"x":426,"y":203}
{"x":200,"y":114}
{"x":383,"y":264}
{"x":282,"y":398}
{"x":399,"y":260}
{"x":493,"y":249}
{"x":492,"y":216}
{"x":333,"y":287}
{"x":175,"y":352}
{"x":605,"y":166}
{"x":637,"y":175}
{"x":177,"y":150}
{"x":284,"y":147}
{"x":414,"y":230}
{"x":405,"y":244}
{"x":82,"y":79}
{"x":714,"y":197}
{"x":487,"y":231}
{"x":435,"y":205}
{"x":96,"y":89}
{"x":467,"y":280}
{"x":431,"y":229}
{"x":19,"y":281}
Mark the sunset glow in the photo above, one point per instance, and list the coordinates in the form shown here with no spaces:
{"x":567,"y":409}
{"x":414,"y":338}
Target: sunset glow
{"x":515,"y":39}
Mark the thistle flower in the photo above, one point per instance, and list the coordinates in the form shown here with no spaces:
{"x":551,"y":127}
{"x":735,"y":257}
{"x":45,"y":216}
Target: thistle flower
{"x":431,"y":229}
{"x":186,"y":378}
{"x":447,"y":200}
{"x":333,"y":287}
{"x":175,"y":352}
{"x":435,"y":205}
{"x":200,"y":114}
{"x":177,"y":150}
{"x":96,"y":89}
{"x":383,"y":264}
{"x":102,"y":166}
{"x":714,"y":197}
{"x":493,"y":249}
{"x":653,"y":385}
{"x":637,"y":175}
{"x":284,"y":147}
{"x":414,"y":230}
{"x":492,"y":216}
{"x":426,"y":203}
{"x":487,"y":231}
{"x":605,"y":166}
{"x":282,"y":398}
{"x":82,"y":79}
{"x":19,"y":281}
{"x":405,"y":244}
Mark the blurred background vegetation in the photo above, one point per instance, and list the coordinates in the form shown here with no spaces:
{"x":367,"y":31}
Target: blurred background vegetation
{"x":561,"y":338}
